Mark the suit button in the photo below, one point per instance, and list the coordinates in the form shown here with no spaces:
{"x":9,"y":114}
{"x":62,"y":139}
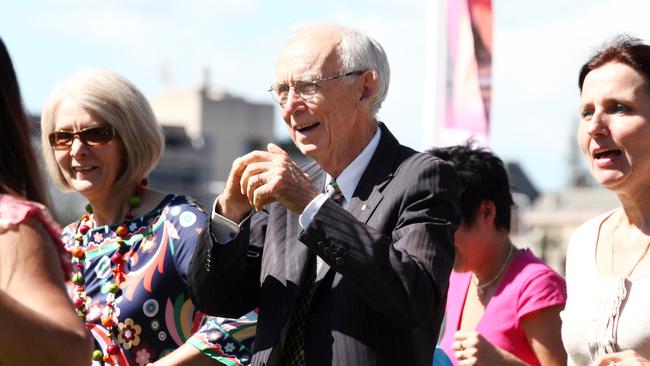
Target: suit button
{"x":327,"y":250}
{"x":320,"y":245}
{"x":339,"y":261}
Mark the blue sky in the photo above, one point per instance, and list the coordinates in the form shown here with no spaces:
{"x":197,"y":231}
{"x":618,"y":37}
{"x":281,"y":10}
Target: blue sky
{"x":538,"y":48}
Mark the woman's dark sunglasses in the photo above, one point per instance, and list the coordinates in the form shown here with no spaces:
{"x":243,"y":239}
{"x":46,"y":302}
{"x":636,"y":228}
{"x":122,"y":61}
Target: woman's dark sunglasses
{"x":93,"y":136}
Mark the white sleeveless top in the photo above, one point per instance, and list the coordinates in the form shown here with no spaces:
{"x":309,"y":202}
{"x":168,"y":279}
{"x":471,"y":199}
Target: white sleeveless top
{"x":602,"y":315}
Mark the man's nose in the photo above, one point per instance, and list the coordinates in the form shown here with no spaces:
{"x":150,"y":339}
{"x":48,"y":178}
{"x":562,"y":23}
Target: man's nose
{"x":294,"y":100}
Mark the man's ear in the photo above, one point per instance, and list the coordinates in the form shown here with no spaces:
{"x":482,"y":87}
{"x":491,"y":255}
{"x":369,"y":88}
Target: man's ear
{"x":369,"y":83}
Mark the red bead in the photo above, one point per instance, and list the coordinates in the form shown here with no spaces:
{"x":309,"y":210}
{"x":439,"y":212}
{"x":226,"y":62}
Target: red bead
{"x":113,"y":349}
{"x":83,"y":229}
{"x":122,"y":231}
{"x":79,"y":302}
{"x":117,"y":258}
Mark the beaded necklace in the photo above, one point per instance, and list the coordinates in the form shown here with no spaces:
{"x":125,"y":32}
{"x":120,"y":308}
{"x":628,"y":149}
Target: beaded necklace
{"x":80,"y":298}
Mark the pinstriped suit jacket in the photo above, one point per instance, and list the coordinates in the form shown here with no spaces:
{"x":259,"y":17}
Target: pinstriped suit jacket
{"x":382,"y":291}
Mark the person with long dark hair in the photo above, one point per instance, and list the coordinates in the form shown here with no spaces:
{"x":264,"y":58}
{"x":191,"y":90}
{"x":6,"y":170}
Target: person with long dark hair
{"x":38,"y":325}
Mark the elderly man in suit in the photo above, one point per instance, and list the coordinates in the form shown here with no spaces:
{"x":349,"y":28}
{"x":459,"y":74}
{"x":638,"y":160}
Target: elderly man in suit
{"x":346,"y":257}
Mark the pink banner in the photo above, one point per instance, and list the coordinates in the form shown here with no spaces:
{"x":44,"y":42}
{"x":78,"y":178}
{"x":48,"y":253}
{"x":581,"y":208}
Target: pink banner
{"x":469,"y":68}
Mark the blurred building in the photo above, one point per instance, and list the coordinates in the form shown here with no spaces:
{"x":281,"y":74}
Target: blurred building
{"x":544,"y":221}
{"x":554,"y":216}
{"x":205,"y":130}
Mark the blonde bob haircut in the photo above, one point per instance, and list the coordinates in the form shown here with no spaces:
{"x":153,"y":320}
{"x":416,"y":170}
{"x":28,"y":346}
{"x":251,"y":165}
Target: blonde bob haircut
{"x":114,"y":100}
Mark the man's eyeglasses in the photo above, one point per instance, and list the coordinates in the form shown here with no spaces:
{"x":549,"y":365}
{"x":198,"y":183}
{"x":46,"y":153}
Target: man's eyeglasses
{"x":92,"y":136}
{"x":305,"y":88}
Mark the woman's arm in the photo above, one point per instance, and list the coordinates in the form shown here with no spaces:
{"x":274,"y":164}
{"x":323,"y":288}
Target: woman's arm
{"x":38,"y":325}
{"x":543,"y":330}
{"x":186,"y":355}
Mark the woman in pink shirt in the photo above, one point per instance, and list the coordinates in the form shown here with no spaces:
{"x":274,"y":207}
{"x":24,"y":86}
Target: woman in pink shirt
{"x":503,"y":303}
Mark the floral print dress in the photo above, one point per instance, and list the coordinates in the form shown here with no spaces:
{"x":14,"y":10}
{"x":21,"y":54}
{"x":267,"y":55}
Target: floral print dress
{"x":154,"y":312}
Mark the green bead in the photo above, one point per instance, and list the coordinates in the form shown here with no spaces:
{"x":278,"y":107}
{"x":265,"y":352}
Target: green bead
{"x":98,"y":355}
{"x":134,"y":201}
{"x":78,"y":279}
{"x":89,"y":208}
{"x":112,"y":288}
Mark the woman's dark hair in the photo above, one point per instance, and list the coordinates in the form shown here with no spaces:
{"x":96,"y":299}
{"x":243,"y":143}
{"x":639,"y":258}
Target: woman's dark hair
{"x":623,"y":49}
{"x":19,"y":172}
{"x":483,"y":177}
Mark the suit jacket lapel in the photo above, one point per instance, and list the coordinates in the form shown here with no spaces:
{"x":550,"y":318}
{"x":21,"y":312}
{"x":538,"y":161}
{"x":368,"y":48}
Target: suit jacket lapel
{"x":379,"y":172}
{"x":369,"y":191}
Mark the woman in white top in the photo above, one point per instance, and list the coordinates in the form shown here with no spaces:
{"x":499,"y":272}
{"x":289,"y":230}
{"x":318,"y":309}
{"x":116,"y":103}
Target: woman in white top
{"x":607,"y":316}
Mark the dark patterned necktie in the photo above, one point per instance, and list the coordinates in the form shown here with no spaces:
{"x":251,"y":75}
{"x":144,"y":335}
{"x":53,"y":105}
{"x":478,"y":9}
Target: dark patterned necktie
{"x":335,"y":192}
{"x":294,"y":348}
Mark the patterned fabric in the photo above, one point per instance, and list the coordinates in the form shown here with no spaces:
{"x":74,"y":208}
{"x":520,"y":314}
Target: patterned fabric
{"x":335,"y":192}
{"x":154,"y":310}
{"x":14,"y":210}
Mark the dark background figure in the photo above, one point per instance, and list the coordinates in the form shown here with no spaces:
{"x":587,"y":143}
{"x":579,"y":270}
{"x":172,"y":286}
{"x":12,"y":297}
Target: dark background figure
{"x":503,"y":305}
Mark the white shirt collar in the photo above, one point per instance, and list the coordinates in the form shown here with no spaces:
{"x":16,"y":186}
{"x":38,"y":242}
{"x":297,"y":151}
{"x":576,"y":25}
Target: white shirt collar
{"x":350,"y":176}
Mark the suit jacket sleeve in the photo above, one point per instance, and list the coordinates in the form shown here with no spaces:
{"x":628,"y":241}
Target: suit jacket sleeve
{"x":223,"y":278}
{"x":401,"y":259}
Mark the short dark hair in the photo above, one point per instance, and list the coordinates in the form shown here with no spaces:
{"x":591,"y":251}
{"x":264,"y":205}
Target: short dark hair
{"x":483,"y":177}
{"x":624,"y":49}
{"x":19,"y":172}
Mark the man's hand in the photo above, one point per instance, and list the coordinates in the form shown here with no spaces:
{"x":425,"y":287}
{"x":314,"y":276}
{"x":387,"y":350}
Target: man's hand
{"x":271,"y":176}
{"x":262,"y":177}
